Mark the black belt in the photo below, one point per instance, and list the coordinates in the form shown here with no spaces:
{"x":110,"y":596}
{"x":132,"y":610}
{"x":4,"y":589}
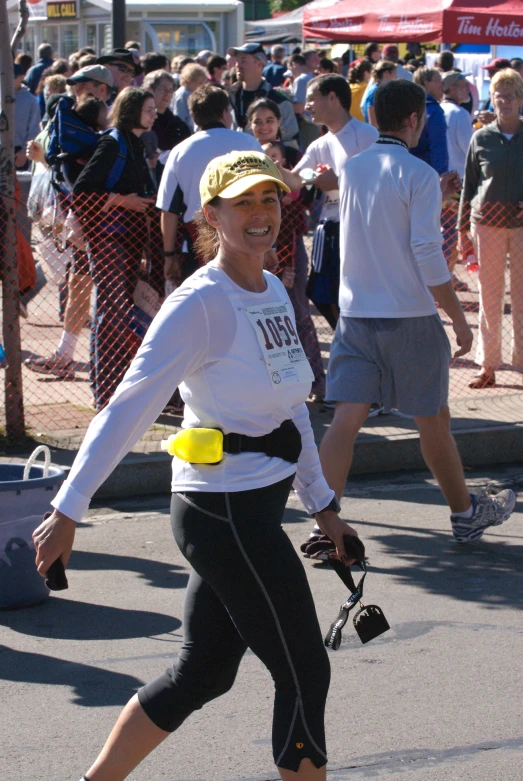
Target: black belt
{"x":284,"y":442}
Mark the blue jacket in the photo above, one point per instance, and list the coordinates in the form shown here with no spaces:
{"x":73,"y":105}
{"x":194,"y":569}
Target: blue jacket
{"x":274,"y":72}
{"x":34,"y":74}
{"x":432,"y":145}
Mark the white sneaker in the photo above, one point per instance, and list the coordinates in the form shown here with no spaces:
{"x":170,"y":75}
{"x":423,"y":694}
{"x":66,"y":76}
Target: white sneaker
{"x":375,"y":410}
{"x":489,"y":510}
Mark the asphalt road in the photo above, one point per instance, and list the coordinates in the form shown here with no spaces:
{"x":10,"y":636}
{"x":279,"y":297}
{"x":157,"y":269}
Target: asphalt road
{"x":439,"y":697}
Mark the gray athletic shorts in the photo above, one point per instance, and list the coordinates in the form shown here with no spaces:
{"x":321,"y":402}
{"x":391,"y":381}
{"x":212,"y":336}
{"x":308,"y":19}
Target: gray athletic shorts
{"x":401,"y":363}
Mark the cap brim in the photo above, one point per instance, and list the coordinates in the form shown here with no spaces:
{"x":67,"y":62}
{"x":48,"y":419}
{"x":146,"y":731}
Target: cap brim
{"x":246,"y":182}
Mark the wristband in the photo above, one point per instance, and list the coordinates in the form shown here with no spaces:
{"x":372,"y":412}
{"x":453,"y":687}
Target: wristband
{"x":169,"y":254}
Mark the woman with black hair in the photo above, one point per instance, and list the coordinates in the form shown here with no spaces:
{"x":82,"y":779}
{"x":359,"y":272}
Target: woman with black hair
{"x":112,"y":196}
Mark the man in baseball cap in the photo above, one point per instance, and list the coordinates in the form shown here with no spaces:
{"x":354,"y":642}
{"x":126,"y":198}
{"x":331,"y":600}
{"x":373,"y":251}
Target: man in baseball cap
{"x":95,"y":80}
{"x":496,"y":65}
{"x":255,"y":49}
{"x":251,"y":85}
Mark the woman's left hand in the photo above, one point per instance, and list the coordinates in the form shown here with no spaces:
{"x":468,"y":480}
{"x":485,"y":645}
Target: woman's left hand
{"x":331,"y":524}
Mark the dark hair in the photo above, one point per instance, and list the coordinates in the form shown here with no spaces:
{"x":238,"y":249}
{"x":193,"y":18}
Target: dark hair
{"x":370,"y":49}
{"x":60,"y":67}
{"x":126,"y":112}
{"x":395,"y":101}
{"x":87,"y":59}
{"x":299,"y":59}
{"x":327,"y":65}
{"x":25,"y":60}
{"x":45,"y":51}
{"x":207,"y":104}
{"x":445,"y":61}
{"x":278,"y":145}
{"x":184,"y":62}
{"x":133,"y":45}
{"x":381,"y":67}
{"x":85,"y":50}
{"x":216,"y":61}
{"x":89,"y":111}
{"x":153,"y":61}
{"x":357,"y":72}
{"x":265,"y":103}
{"x":333,"y":82}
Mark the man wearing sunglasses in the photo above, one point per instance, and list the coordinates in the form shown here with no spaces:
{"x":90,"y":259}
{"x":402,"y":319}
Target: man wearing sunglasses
{"x":124,"y":65}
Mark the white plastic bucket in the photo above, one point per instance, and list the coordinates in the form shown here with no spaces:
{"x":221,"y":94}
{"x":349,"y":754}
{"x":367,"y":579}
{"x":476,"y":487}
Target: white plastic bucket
{"x":23,"y":503}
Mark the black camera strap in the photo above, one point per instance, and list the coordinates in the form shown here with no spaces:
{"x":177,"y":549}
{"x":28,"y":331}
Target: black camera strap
{"x":333,"y":636}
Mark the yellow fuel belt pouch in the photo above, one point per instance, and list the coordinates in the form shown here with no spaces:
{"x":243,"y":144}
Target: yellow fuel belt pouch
{"x":207,"y":445}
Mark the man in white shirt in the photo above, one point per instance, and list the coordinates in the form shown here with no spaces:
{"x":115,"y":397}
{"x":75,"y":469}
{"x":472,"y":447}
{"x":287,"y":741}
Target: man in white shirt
{"x":178,"y":194}
{"x":329,"y":103}
{"x":390,"y":346}
{"x":459,"y":125}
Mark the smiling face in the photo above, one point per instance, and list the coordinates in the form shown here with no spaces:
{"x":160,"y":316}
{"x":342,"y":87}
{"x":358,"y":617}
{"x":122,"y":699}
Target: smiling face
{"x":122,"y":73}
{"x":265,"y":125}
{"x":248,"y":224}
{"x":319,"y":106}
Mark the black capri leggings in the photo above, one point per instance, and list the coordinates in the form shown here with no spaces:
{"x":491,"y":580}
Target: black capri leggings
{"x":247,"y":589}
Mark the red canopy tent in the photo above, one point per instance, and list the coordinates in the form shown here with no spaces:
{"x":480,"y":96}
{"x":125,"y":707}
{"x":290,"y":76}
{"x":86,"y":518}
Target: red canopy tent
{"x":459,"y":21}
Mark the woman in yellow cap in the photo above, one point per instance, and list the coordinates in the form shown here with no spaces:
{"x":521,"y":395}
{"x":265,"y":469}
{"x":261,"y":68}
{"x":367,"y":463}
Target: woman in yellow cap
{"x":244,"y":378}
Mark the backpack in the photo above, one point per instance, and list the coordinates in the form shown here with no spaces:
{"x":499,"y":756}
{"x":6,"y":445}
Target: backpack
{"x":71,"y":138}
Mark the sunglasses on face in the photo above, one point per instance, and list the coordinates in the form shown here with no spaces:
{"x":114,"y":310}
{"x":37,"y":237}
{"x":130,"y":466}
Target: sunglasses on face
{"x":123,"y":68}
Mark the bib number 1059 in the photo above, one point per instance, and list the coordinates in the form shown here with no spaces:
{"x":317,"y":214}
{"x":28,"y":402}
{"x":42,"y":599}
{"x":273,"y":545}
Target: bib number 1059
{"x":277,"y":331}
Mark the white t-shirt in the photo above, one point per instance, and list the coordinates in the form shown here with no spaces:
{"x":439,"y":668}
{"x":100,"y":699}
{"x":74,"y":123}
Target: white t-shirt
{"x":390,"y":244}
{"x":207,"y":340}
{"x":334,"y":149}
{"x":459,"y":133}
{"x":179,"y":190}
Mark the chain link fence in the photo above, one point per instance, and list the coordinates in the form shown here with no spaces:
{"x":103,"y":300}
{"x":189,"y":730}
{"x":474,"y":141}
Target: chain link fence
{"x":100,"y":282}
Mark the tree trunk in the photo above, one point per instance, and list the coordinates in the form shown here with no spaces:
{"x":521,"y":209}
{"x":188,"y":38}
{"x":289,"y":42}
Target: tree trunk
{"x":14,"y":405}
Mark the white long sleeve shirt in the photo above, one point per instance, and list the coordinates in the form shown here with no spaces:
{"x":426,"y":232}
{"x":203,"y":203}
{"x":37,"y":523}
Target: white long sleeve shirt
{"x":240,"y":367}
{"x":459,"y":133}
{"x":390,"y":241}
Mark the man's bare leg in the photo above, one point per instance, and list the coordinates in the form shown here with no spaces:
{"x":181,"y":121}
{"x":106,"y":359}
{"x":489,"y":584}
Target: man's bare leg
{"x":337,"y":446}
{"x":442,"y":458}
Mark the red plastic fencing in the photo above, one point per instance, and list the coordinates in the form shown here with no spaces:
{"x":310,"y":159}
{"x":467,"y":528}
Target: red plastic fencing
{"x":100,"y":281}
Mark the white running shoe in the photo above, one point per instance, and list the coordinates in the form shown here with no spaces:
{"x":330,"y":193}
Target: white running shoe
{"x":489,"y":510}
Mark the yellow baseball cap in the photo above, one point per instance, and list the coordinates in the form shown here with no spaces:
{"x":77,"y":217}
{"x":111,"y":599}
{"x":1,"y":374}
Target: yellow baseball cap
{"x":232,"y":174}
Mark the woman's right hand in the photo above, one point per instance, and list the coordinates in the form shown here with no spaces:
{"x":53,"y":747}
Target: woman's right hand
{"x":135,"y":202}
{"x":53,"y":539}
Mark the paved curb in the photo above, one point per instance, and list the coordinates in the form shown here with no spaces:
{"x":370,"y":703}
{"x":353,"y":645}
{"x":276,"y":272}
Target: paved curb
{"x":137,"y":475}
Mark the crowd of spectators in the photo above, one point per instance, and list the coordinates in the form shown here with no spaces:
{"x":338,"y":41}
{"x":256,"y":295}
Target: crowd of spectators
{"x":156,"y":124}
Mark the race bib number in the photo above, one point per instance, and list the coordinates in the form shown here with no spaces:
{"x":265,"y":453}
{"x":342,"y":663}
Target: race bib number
{"x":282,"y":352}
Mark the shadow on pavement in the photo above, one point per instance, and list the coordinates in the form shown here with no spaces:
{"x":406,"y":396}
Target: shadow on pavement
{"x":160,"y":574}
{"x":91,"y":686}
{"x":487,"y":571}
{"x":65,"y":619}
